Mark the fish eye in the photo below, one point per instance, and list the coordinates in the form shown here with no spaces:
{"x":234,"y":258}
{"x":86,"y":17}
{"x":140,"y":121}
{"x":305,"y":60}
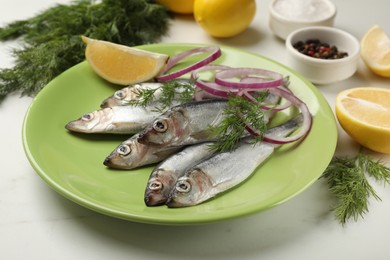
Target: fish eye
{"x":183,"y":186}
{"x":156,"y":185}
{"x":120,"y":94}
{"x":160,"y":126}
{"x":124,"y":149}
{"x":87,"y":117}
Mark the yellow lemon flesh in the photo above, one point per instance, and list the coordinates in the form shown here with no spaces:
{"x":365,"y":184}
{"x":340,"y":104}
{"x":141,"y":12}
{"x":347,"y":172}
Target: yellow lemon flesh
{"x":224,"y":18}
{"x":375,"y":51}
{"x":178,"y":6}
{"x":364,"y":113}
{"x":121,"y":64}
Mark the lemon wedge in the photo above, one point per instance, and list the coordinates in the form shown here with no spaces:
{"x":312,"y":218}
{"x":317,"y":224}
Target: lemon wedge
{"x":121,"y":64}
{"x":364,"y":113}
{"x":375,"y":51}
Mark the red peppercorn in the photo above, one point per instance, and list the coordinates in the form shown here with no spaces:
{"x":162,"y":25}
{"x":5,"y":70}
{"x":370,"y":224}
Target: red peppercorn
{"x":316,"y":48}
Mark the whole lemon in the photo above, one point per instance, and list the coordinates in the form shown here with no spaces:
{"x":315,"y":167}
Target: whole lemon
{"x":178,"y":6}
{"x":224,"y":18}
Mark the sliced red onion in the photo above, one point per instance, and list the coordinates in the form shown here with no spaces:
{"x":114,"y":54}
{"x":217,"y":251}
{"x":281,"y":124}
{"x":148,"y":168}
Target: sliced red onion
{"x":251,"y":80}
{"x":265,"y":78}
{"x":247,"y":94}
{"x":212,"y":87}
{"x":306,"y":124}
{"x":209,"y":67}
{"x":215,"y":52}
{"x":215,"y":89}
{"x":201,"y":94}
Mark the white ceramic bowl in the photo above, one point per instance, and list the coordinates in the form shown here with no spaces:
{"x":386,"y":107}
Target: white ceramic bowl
{"x":286,"y":16}
{"x":324,"y":71}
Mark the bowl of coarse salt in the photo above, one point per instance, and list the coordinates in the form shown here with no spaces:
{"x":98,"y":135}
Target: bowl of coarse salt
{"x":286,"y":16}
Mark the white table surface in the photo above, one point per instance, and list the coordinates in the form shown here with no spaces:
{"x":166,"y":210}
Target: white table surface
{"x":38,"y":223}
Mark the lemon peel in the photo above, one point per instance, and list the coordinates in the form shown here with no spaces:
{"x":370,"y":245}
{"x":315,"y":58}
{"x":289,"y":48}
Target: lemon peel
{"x":224,"y":18}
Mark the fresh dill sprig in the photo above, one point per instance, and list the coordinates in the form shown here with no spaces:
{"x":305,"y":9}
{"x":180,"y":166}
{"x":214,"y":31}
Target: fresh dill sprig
{"x":346,"y":177}
{"x":50,"y":41}
{"x":144,"y":97}
{"x":181,"y":91}
{"x":239,"y":113}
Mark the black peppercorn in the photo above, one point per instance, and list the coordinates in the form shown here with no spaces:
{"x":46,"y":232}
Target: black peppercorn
{"x":317,"y":49}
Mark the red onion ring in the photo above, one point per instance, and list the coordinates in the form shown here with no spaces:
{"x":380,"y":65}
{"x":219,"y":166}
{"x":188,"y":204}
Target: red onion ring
{"x":215,"y":52}
{"x":265,"y":107}
{"x":262,"y":75}
{"x":212,"y":87}
{"x":306,"y":124}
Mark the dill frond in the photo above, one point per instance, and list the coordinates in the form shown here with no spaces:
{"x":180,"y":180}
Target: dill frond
{"x":239,"y":113}
{"x":346,"y":177}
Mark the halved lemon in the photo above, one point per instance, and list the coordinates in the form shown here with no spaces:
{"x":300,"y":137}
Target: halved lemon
{"x":121,"y":64}
{"x":375,"y":51}
{"x":364,"y":113}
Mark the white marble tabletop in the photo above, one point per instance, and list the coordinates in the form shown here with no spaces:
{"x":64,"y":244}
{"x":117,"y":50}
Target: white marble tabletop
{"x":38,"y":223}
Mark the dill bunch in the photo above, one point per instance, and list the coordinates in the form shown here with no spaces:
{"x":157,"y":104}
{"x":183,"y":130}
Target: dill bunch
{"x":51,"y":40}
{"x":347,"y":180}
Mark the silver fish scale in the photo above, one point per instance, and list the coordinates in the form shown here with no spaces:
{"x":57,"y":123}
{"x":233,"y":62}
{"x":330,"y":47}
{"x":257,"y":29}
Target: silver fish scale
{"x":185,"y":158}
{"x":140,"y":115}
{"x":201,"y":116}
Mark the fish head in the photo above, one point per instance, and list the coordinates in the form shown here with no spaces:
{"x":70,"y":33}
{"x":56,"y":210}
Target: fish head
{"x":128,"y":155}
{"x":191,"y":189}
{"x":121,"y":97}
{"x":166,"y":129}
{"x":90,"y":121}
{"x":159,"y":186}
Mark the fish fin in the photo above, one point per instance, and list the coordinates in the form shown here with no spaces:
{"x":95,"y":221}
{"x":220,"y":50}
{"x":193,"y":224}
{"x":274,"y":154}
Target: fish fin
{"x":167,"y":152}
{"x":204,"y":135}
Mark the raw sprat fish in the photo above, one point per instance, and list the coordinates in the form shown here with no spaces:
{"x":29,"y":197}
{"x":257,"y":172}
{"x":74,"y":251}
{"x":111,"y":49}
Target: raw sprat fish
{"x":164,"y":175}
{"x":118,"y":115}
{"x":131,"y":154}
{"x":125,"y":96}
{"x":224,"y":171}
{"x":115,"y":120}
{"x":185,"y":124}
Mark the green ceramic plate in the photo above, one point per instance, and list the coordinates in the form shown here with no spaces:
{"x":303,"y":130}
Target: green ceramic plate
{"x":72,"y":163}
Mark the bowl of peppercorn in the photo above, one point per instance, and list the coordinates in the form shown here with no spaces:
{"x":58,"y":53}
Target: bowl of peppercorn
{"x":323,"y":55}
